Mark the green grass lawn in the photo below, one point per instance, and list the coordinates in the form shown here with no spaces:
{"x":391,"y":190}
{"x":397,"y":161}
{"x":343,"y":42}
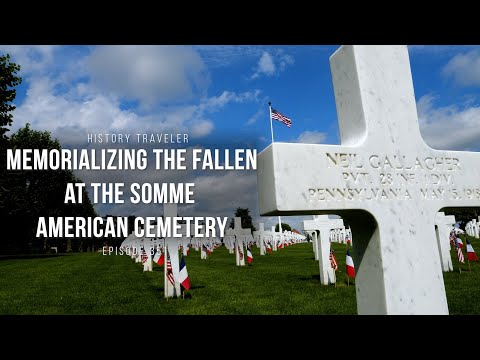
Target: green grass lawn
{"x":286,"y":282}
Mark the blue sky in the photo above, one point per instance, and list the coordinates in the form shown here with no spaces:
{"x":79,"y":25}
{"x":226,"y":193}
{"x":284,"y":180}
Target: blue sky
{"x":219,"y":95}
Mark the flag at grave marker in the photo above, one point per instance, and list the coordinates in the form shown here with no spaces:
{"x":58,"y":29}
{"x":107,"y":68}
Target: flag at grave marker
{"x":205,"y":248}
{"x":348,"y":240}
{"x":183,"y":275}
{"x":333,"y":260}
{"x":144,"y":256}
{"x":452,"y":237}
{"x":471,"y":255}
{"x":249,"y":256}
{"x":460,"y":242}
{"x":240,"y":253}
{"x":461,"y":258}
{"x":350,"y":265}
{"x":170,"y":270}
{"x":159,"y":258}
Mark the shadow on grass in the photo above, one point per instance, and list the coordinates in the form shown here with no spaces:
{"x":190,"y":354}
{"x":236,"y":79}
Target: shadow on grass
{"x":197,"y":287}
{"x":30,"y":256}
{"x":161,"y":288}
{"x":313,"y":277}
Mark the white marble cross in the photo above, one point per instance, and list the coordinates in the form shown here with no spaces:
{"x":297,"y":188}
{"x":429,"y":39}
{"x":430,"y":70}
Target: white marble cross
{"x":320,"y":228}
{"x":444,"y":225}
{"x":229,"y":242}
{"x":275,"y":236}
{"x":138,"y":250}
{"x":170,"y":210}
{"x":475,"y":228}
{"x":262,"y":237}
{"x":383,"y":179}
{"x":147,"y":246}
{"x":239,"y":234}
{"x":185,"y":241}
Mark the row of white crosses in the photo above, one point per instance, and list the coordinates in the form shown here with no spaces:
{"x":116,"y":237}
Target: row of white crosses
{"x":238,"y":238}
{"x":473,"y":228}
{"x":383,"y":179}
{"x":319,"y":229}
{"x":264,"y":239}
{"x":341,"y":235}
{"x":138,"y":246}
{"x":322,"y":224}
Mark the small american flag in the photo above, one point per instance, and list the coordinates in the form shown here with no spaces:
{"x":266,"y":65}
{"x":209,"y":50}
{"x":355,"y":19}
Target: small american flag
{"x":276,"y":115}
{"x":461,"y":258}
{"x":240,"y":254}
{"x":206,"y":249}
{"x":144,"y":256}
{"x":170,"y":270}
{"x":452,"y":237}
{"x":333,"y":260}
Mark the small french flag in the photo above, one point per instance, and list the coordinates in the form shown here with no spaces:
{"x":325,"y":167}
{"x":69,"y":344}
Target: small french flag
{"x":350,"y":265}
{"x":249,"y":256}
{"x":159,"y":258}
{"x":183,"y":275}
{"x":471,"y":253}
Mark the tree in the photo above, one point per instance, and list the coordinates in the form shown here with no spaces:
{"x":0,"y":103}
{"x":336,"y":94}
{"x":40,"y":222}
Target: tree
{"x":243,"y":213}
{"x":28,"y":195}
{"x":8,"y":81}
{"x":284,"y":227}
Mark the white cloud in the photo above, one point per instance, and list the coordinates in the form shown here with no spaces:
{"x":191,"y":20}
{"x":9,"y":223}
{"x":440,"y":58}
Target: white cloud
{"x":449,"y":127}
{"x":266,"y":65}
{"x":285,"y":60}
{"x":215,"y":103}
{"x":253,"y":119}
{"x":61,"y":99}
{"x":311,"y":137}
{"x":216,"y":193}
{"x":219,"y":194}
{"x":71,"y":109}
{"x":32,"y":59}
{"x":226,"y":55}
{"x":201,"y":128}
{"x":150,"y":74}
{"x":68,"y":117}
{"x":269,"y":65}
{"x":464,"y":69}
{"x":81,"y":110}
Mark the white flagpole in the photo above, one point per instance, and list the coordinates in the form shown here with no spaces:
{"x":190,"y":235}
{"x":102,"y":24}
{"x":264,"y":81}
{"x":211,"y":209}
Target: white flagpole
{"x":271,"y":123}
{"x":271,"y":130}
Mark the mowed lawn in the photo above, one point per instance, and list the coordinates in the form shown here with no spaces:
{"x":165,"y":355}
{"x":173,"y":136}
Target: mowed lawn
{"x":286,"y":282}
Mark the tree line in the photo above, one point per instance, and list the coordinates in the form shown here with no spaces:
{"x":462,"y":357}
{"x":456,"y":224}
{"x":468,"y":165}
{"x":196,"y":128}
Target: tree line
{"x":27,"y":195}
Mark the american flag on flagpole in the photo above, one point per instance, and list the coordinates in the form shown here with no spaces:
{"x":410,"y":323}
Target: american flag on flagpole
{"x":276,"y":115}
